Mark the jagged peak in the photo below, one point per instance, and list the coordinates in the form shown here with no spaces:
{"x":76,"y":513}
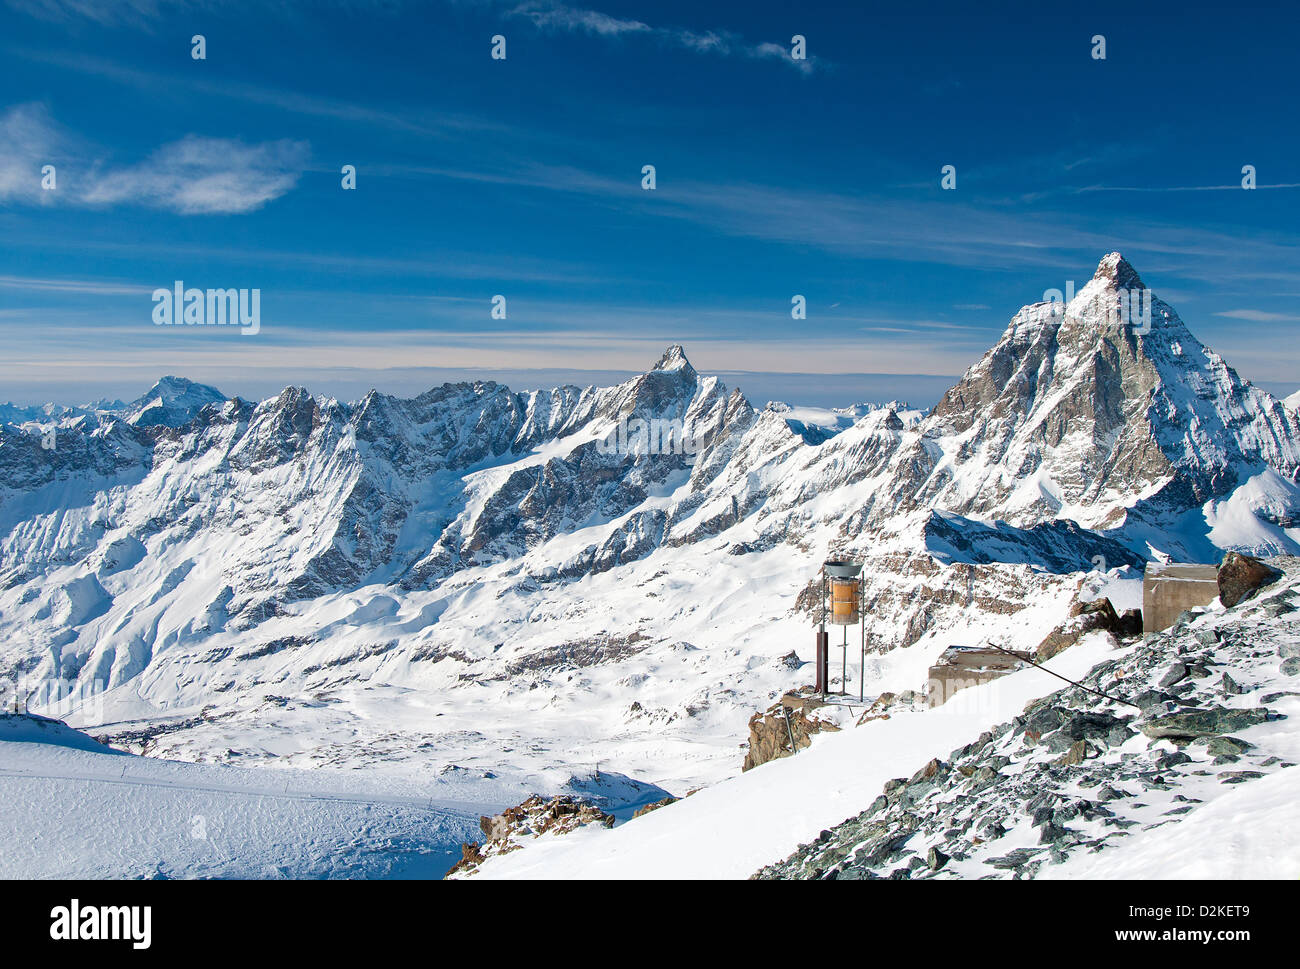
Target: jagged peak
{"x":1117,"y":272}
{"x":170,"y":387}
{"x":674,"y":358}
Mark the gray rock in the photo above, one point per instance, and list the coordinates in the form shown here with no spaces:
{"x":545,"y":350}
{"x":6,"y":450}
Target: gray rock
{"x":983,"y":777}
{"x":1052,"y":833}
{"x":1291,"y":667}
{"x":936,"y":859}
{"x":1229,"y":687}
{"x":1045,"y":720}
{"x":1014,"y":859}
{"x":1175,"y":674}
{"x":1203,"y":723}
{"x":1118,"y":736}
{"x":1238,"y":776}
{"x":1173,"y":758}
{"x":1089,"y":726}
{"x":1227,"y":746}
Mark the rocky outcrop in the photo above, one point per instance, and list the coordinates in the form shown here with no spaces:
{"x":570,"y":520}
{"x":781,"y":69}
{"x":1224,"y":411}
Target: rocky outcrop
{"x":532,"y":818}
{"x":1241,"y":576}
{"x":655,"y":806}
{"x":1097,"y":615}
{"x":783,"y":731}
{"x":1204,"y":723}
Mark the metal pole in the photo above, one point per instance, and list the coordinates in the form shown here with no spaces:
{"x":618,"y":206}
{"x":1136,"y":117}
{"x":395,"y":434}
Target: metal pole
{"x":823,"y":647}
{"x":844,"y":663}
{"x":862,"y":640}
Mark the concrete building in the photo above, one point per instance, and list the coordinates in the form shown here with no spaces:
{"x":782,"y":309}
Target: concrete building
{"x":962,"y":666}
{"x":1168,"y":590}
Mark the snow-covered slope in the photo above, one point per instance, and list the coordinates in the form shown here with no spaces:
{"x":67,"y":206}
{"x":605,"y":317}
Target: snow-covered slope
{"x":532,"y":582}
{"x":73,"y":808}
{"x":993,"y":788}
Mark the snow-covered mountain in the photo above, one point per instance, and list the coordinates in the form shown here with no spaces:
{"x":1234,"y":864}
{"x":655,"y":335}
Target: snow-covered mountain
{"x":479,"y":578}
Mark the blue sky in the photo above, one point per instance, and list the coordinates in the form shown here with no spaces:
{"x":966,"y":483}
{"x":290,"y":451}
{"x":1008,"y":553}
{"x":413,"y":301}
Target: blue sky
{"x":522,"y":177}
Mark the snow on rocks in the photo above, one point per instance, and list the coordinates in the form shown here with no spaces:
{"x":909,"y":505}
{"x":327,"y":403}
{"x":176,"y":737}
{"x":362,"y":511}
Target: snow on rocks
{"x":1076,"y":775}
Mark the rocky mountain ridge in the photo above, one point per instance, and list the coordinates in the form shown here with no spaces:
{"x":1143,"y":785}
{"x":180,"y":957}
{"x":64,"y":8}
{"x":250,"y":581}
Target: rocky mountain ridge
{"x":540,"y":551}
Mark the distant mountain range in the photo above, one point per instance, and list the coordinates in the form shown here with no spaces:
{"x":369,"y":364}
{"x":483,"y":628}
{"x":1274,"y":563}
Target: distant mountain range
{"x":572,"y":575}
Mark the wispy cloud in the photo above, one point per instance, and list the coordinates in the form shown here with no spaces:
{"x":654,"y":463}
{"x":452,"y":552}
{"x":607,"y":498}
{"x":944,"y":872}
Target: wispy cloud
{"x":100,"y":11}
{"x":80,"y":286}
{"x":406,"y":118}
{"x":28,"y":139}
{"x":551,"y":15}
{"x":205,"y":176}
{"x":1180,"y":188}
{"x":1260,"y":316}
{"x":193,"y":176}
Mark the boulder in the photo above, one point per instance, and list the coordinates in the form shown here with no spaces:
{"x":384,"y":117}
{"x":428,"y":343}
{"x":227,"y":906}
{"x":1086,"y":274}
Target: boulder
{"x":1227,"y":747}
{"x":1084,"y":618}
{"x":1240,"y":576}
{"x":1077,"y":754}
{"x":770,"y":734}
{"x":1203,"y":723}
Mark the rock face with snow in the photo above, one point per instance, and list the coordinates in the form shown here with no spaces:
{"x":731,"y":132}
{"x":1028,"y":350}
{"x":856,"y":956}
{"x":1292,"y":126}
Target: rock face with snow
{"x":646,"y":551}
{"x":533,"y":818}
{"x":1072,"y":779}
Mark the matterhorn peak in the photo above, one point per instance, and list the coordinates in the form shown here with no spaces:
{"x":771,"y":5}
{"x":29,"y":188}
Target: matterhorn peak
{"x":674,"y":358}
{"x":1118,"y":272}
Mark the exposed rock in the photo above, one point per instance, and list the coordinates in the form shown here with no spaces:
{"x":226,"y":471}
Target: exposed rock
{"x":1203,"y":723}
{"x":1085,"y":617}
{"x":655,"y":806}
{"x":770,"y":734}
{"x":529,"y":819}
{"x":1228,"y":746}
{"x":1077,"y":754}
{"x":1240,"y":576}
{"x":1173,"y":675}
{"x":1130,"y":624}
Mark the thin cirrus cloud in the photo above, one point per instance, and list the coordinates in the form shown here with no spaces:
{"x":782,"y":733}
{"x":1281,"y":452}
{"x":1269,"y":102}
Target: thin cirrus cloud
{"x":205,"y":176}
{"x":1260,"y":316}
{"x":548,"y":15}
{"x":29,"y":139}
{"x":193,"y":176}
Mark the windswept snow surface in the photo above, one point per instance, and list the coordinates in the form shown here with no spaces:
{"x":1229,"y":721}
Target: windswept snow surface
{"x":1249,"y":832}
{"x":76,"y":809}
